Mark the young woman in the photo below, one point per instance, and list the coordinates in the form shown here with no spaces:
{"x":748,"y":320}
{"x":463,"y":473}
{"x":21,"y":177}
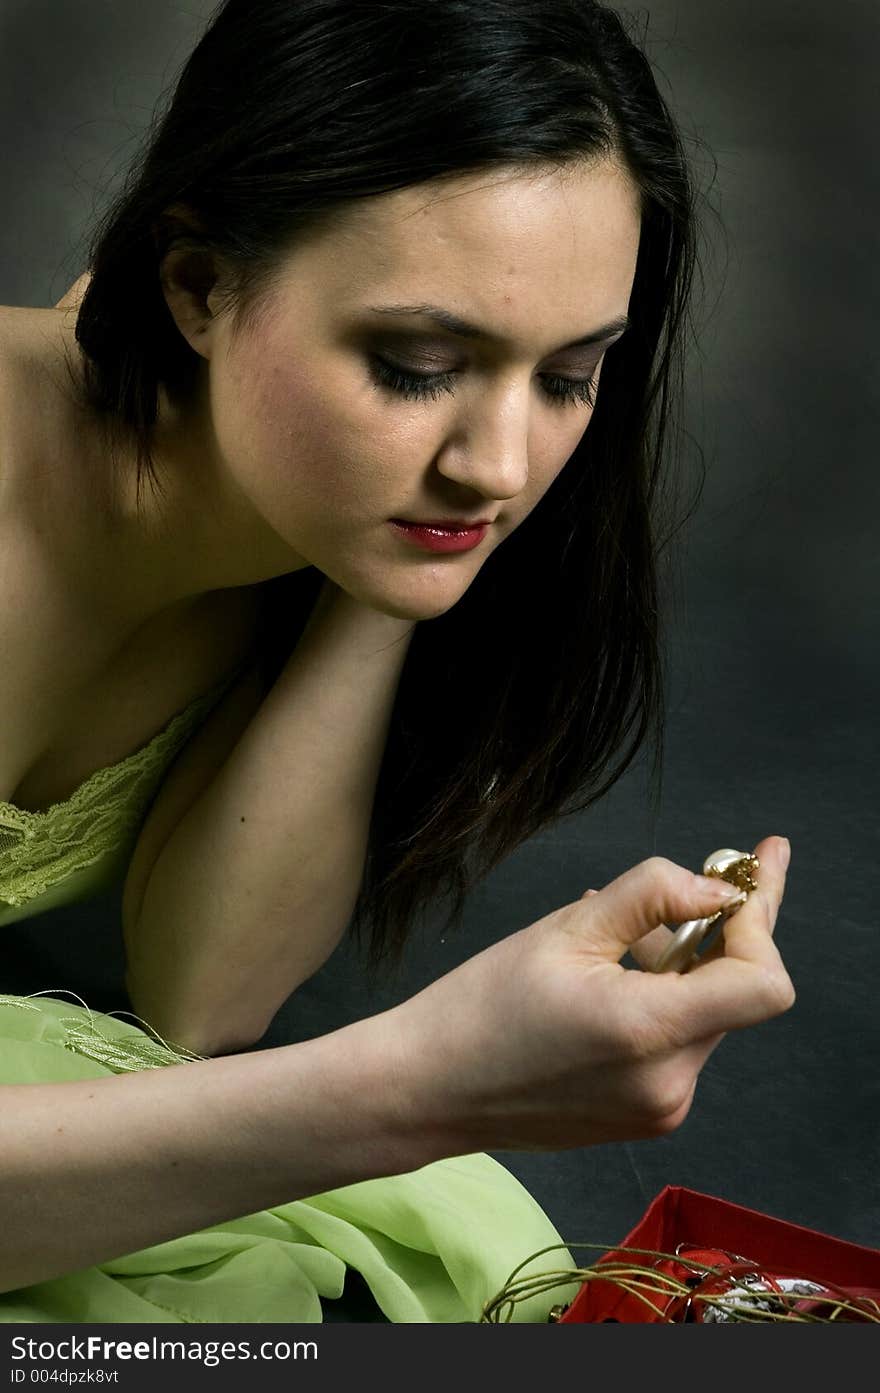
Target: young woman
{"x":329,"y":578}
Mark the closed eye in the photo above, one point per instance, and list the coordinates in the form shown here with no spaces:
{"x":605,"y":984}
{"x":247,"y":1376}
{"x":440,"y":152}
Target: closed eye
{"x":566,"y":390}
{"x":562,"y":391}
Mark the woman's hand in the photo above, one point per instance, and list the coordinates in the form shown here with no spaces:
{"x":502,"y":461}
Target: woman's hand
{"x":544,"y":1041}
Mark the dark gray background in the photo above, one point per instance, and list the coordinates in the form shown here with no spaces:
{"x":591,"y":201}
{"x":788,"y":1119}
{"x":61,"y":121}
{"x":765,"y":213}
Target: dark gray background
{"x":774,"y":656}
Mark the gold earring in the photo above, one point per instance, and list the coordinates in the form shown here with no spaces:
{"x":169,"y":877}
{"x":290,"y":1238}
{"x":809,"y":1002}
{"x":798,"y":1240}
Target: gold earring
{"x":737,"y":868}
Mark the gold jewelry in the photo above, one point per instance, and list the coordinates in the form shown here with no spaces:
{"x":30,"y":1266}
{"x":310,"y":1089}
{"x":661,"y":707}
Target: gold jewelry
{"x":737,"y":868}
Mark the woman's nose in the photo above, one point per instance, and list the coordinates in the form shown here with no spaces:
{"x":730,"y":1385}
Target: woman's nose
{"x":489,"y":450}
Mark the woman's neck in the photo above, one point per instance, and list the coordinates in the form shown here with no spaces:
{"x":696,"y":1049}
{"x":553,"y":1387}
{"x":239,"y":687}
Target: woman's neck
{"x":135,"y":559}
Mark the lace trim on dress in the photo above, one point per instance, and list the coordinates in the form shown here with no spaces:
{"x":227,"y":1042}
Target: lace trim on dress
{"x":39,"y":849}
{"x":127,"y":1050}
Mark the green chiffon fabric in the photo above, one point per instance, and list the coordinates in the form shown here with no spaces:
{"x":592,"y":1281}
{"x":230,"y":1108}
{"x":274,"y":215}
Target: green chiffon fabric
{"x":434,"y":1245}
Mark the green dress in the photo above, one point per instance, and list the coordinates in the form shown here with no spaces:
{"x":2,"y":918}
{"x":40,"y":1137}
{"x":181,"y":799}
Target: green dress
{"x":432,"y":1245}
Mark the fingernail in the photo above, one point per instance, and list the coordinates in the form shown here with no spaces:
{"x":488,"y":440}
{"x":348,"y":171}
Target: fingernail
{"x":785,"y":854}
{"x":721,"y":888}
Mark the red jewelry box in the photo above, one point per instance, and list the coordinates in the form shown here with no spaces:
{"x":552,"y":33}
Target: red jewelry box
{"x":680,"y":1218}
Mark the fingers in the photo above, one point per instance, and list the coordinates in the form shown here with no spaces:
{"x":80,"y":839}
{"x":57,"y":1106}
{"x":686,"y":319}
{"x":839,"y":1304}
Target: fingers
{"x":736,"y":940}
{"x":730,"y":993}
{"x":771,"y":877}
{"x":643,"y":899}
{"x":647,"y":951}
{"x":744,"y":980}
{"x":773,"y":855}
{"x":741,"y":980}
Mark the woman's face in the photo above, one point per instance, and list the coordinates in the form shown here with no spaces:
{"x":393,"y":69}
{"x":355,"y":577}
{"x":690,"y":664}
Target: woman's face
{"x":347,"y":406}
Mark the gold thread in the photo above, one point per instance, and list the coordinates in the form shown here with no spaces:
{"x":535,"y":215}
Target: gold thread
{"x":637,"y":1280}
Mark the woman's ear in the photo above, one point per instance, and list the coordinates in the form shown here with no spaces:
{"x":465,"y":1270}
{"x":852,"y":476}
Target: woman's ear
{"x":191,"y":274}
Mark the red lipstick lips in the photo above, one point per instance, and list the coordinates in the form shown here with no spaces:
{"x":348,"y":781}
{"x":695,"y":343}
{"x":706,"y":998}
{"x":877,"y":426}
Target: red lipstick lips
{"x":441,"y":536}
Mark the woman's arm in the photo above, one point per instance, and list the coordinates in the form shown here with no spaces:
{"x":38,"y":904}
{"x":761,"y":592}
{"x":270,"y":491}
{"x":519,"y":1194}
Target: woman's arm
{"x":93,"y":1170}
{"x":541,"y":1041}
{"x":256,"y":884}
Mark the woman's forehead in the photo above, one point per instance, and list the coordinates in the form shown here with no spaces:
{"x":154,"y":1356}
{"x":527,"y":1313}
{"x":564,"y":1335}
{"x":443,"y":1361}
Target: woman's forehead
{"x":507,"y":204}
{"x":483,"y":247}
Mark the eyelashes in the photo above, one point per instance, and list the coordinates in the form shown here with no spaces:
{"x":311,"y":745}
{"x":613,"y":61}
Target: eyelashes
{"x":561,"y":391}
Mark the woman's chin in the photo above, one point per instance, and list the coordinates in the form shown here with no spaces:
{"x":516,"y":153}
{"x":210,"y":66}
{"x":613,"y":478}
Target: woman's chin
{"x":414,"y":612}
{"x":401,"y":598}
{"x":415,"y":607}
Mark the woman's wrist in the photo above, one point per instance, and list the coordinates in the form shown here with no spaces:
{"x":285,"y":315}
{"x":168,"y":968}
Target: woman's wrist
{"x":371,"y":1087}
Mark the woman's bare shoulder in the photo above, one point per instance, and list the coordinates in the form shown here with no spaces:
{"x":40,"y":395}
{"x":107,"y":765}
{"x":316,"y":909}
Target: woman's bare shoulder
{"x":25,"y":336}
{"x":32,"y":334}
{"x":16,"y":386}
{"x":35,"y":402}
{"x":13,"y":321}
{"x":73,"y":298}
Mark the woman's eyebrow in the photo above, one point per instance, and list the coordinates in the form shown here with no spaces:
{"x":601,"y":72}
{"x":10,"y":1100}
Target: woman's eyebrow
{"x":466,"y":330}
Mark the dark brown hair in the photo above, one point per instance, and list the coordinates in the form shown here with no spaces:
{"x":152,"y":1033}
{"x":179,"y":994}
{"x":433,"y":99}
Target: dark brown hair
{"x":527,"y":700}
